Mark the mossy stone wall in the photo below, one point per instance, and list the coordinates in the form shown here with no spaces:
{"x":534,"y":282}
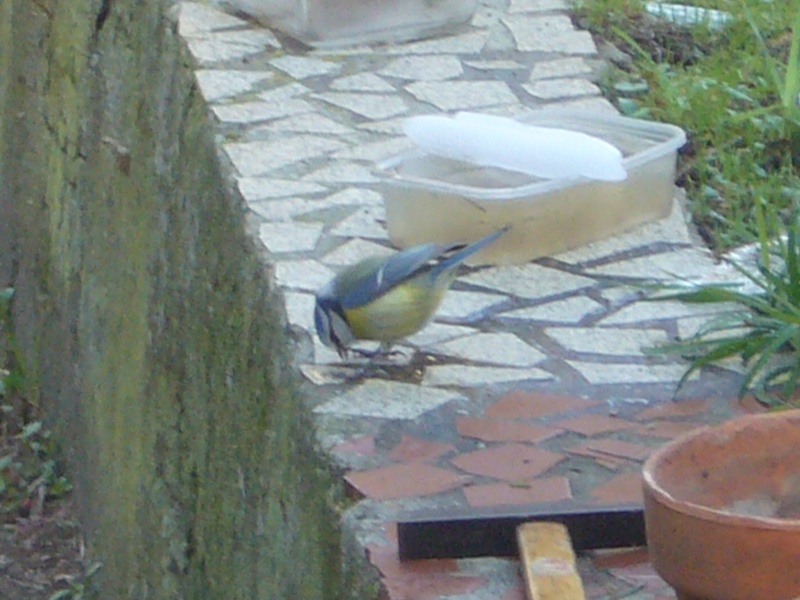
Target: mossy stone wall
{"x":148,"y":326}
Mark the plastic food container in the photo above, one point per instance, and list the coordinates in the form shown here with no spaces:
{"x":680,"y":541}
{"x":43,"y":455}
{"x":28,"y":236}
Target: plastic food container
{"x":429,"y":198}
{"x":330,"y":23}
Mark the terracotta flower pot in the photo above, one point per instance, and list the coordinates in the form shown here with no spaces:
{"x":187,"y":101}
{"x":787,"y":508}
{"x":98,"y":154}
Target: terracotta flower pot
{"x":722,"y":510}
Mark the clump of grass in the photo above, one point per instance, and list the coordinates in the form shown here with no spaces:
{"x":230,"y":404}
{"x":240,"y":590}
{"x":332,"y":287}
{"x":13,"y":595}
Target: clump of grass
{"x":734,"y":89}
{"x":764,"y":328}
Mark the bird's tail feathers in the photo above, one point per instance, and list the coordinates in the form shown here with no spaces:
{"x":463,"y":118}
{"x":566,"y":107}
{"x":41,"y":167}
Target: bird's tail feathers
{"x":468,"y":250}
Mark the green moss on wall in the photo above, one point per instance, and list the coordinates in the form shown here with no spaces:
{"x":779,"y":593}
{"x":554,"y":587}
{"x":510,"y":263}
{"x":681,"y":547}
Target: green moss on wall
{"x":150,"y":329}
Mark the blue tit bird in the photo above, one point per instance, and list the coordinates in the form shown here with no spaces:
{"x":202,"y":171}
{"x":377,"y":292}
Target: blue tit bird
{"x":386,"y":299}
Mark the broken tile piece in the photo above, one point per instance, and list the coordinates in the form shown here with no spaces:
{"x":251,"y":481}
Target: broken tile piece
{"x":593,"y":424}
{"x":503,"y":430}
{"x":510,"y":462}
{"x":413,"y":449}
{"x":546,"y":489}
{"x":520,"y":404}
{"x":405,"y":480}
{"x":529,"y":281}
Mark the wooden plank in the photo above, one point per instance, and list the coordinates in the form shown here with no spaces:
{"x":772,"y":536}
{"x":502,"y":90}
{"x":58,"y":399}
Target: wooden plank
{"x":492,"y":532}
{"x":548,"y":562}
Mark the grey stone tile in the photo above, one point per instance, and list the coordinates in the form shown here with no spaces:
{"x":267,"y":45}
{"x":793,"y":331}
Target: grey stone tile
{"x":462,"y":95}
{"x":261,"y":188}
{"x":283,"y":209}
{"x":553,"y":89}
{"x":300,"y":309}
{"x":609,"y":341}
{"x":503,"y":349}
{"x":603,"y":373}
{"x":362,"y":82}
{"x":424,"y":68}
{"x":283,"y":92}
{"x":529,"y":281}
{"x":209,"y":52}
{"x":474,"y":376}
{"x":354,"y":196}
{"x":466,"y":306}
{"x":258,"y":158}
{"x":195,"y":19}
{"x":301,"y":67}
{"x":495,"y":65}
{"x":645,"y":311}
{"x":548,"y":34}
{"x":560,"y":67}
{"x":387,"y":399}
{"x":371,"y":106}
{"x":309,"y":122}
{"x":342,"y":172}
{"x":569,"y":310}
{"x":668,"y":266}
{"x":364,"y":222}
{"x":375,"y":151}
{"x":303,"y":275}
{"x":252,"y":112}
{"x":353,"y":251}
{"x":436,"y":333}
{"x":217,"y":84}
{"x":287,"y":236}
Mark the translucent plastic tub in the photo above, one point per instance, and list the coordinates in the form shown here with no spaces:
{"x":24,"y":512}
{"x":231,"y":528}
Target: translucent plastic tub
{"x":325,"y":23}
{"x":429,"y":198}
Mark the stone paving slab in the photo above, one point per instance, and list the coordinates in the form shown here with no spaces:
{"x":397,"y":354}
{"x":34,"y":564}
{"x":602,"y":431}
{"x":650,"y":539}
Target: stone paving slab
{"x":533,"y":384}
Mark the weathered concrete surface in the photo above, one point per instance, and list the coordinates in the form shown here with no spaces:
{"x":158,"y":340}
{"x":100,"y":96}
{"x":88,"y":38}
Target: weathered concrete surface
{"x":146,"y":319}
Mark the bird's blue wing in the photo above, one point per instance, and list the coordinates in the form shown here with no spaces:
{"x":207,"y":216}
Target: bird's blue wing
{"x":373,"y":277}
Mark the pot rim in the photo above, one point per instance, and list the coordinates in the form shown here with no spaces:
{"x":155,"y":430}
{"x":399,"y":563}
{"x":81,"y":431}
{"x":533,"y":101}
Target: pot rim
{"x":661,"y":495}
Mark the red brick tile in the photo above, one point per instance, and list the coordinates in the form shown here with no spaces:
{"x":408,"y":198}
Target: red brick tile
{"x":531,"y":405}
{"x":621,"y":489}
{"x":430,"y":587}
{"x":549,"y":489}
{"x":612,"y":449}
{"x":411,"y":449}
{"x":677,"y":408}
{"x":403,"y":481}
{"x":388,"y":562}
{"x":511,"y":462}
{"x":666,"y":429}
{"x":363,"y":445}
{"x":611,"y":559}
{"x":502,"y":430}
{"x":594,"y":424}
